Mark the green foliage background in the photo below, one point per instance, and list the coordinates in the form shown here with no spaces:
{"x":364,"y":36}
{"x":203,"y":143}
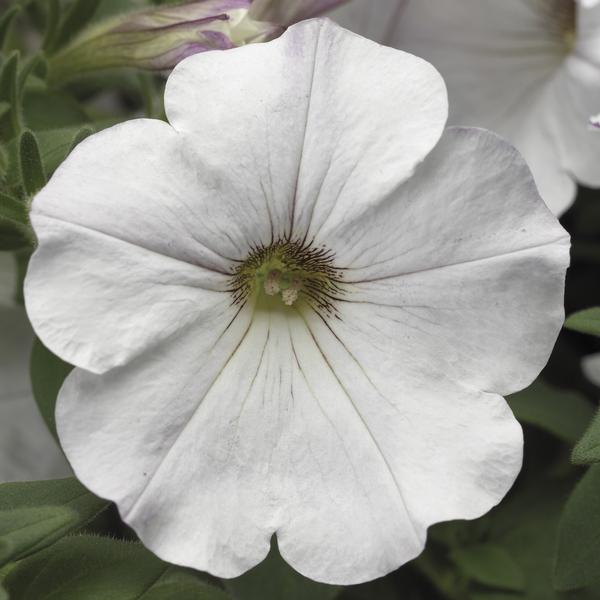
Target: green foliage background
{"x":58,"y":541}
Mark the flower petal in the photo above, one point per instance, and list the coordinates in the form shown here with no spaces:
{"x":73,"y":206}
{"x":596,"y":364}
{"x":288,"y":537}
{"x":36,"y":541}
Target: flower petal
{"x":478,"y":283}
{"x":125,"y":255}
{"x":286,"y":13}
{"x":281,"y":430}
{"x":183,"y":463}
{"x":280,"y":132}
{"x":506,"y":67}
{"x":571,"y":97}
{"x":588,"y":32}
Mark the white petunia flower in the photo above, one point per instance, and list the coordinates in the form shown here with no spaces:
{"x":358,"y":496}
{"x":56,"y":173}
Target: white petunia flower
{"x":27,"y":450}
{"x":527,"y":69}
{"x":283,"y":321}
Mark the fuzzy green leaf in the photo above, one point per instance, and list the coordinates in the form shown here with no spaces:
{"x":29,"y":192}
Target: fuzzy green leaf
{"x":587,"y":450}
{"x":14,"y":235}
{"x":562,"y":413}
{"x":585,"y":321}
{"x":57,"y":144}
{"x":79,"y":14}
{"x":36,"y":514}
{"x":490,"y":565}
{"x":10,"y":123}
{"x":6,"y":21}
{"x":52,"y":111}
{"x":578,"y":555}
{"x":97,"y":568}
{"x":30,"y":160}
{"x":52,"y":23}
{"x":47,"y":375}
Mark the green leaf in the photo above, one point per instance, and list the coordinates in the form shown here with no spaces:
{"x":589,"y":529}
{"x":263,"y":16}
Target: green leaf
{"x":36,"y":63}
{"x":57,"y":144}
{"x":12,"y":208}
{"x":52,"y":22}
{"x":490,"y":565}
{"x":14,"y":235}
{"x":78,"y":16}
{"x":10,"y":123}
{"x":565,"y":414}
{"x":6,"y":20}
{"x":43,"y":111}
{"x":578,"y":554}
{"x":32,"y":170}
{"x":274,"y":579}
{"x":36,"y":514}
{"x":83,"y":133}
{"x":585,"y":321}
{"x":47,"y":375}
{"x":98,"y":568}
{"x":4,"y":108}
{"x":587,"y":450}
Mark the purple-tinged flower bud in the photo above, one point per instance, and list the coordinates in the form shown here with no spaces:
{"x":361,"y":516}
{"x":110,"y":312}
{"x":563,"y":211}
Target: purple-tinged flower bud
{"x":159,"y":38}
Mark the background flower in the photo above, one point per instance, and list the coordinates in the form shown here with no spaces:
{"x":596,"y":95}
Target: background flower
{"x":371,"y":408}
{"x":528,"y":70}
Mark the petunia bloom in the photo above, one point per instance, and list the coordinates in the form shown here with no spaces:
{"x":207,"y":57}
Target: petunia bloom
{"x":27,"y":450}
{"x":529,"y":70}
{"x":295,"y":309}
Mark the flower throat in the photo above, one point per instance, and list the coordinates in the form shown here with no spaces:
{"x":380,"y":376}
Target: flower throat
{"x":288,"y":272}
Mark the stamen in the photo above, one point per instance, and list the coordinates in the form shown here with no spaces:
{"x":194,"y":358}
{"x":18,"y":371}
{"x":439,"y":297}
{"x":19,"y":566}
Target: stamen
{"x":294,"y":271}
{"x":271,"y":285}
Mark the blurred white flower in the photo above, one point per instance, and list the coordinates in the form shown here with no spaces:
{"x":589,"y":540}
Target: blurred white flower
{"x":527,"y":69}
{"x":27,"y":450}
{"x":287,"y":12}
{"x":283,"y":321}
{"x":591,"y":368}
{"x":595,"y":121}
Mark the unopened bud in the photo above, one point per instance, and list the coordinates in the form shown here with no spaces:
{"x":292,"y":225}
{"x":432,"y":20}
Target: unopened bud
{"x":159,"y":38}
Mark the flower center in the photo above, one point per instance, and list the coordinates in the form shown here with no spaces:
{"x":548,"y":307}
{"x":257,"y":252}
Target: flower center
{"x":561,"y":16}
{"x":286,"y":273}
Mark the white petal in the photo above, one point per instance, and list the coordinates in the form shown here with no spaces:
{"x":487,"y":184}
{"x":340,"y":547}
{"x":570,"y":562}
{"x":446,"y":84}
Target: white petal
{"x":97,"y":301}
{"x":506,"y":70}
{"x":185,"y":467}
{"x":588,"y":32}
{"x":283,"y":431}
{"x":297,"y":131}
{"x":125,"y":254}
{"x":375,"y":21}
{"x":481,"y":276}
{"x":572,"y":96}
{"x":286,"y":13}
{"x":27,"y":450}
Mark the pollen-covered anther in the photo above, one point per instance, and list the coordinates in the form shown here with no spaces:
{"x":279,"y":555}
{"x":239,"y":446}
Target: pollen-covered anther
{"x":290,"y":295}
{"x":272,"y":282}
{"x":291,"y":271}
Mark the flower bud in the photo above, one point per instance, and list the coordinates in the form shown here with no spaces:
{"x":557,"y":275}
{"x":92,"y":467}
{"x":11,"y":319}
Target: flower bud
{"x":158,"y":38}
